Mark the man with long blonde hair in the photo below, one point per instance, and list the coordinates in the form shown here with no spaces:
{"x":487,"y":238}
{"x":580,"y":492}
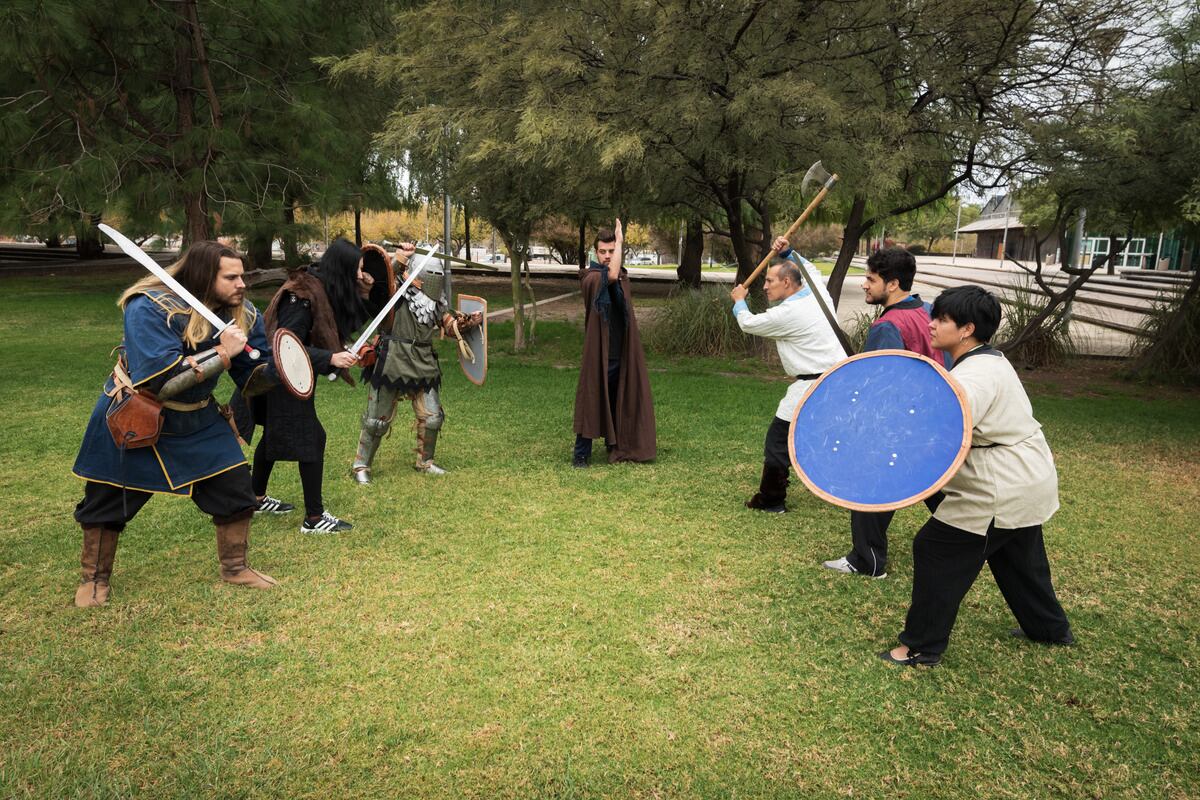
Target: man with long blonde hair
{"x":170,"y":351}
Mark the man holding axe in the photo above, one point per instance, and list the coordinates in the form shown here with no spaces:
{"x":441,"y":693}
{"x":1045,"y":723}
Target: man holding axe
{"x":807,"y":347}
{"x":805,"y":331}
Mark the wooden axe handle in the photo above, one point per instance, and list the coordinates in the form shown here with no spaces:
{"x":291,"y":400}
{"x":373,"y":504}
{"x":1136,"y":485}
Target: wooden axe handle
{"x":816,"y":201}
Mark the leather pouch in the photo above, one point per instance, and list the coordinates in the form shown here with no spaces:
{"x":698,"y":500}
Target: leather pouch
{"x":134,"y":419}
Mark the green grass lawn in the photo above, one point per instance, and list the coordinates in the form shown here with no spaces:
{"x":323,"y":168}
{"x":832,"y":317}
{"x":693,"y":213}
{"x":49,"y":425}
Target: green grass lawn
{"x":518,"y":628}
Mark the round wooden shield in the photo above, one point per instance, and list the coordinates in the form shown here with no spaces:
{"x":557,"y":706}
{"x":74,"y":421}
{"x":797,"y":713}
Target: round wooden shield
{"x":880,"y":431}
{"x":293,"y":364}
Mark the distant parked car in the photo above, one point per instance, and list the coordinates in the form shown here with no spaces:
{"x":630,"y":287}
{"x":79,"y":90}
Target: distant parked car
{"x":497,"y":258}
{"x":644,"y":258}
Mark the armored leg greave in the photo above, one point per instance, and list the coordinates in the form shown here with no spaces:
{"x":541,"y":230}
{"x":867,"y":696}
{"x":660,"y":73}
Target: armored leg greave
{"x":429,"y":413}
{"x":381,"y":408}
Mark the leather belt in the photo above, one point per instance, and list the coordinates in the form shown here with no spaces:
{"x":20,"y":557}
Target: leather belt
{"x":174,"y":406}
{"x":408,"y":341}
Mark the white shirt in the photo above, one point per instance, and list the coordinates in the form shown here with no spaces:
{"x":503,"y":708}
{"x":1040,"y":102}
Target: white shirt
{"x":801,"y":332}
{"x":1014,"y":482}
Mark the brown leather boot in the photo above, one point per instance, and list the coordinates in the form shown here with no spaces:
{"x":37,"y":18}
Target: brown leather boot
{"x":232,"y":539}
{"x":96,"y":560}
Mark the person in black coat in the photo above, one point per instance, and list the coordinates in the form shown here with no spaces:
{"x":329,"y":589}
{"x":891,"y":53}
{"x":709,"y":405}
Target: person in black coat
{"x":323,"y":305}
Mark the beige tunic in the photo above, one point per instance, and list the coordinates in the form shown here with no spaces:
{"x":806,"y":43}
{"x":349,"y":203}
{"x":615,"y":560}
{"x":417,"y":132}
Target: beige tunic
{"x":1014,"y":482}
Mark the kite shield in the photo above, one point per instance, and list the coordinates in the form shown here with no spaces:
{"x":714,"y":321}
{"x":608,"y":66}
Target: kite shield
{"x":476,"y":339}
{"x":880,"y":431}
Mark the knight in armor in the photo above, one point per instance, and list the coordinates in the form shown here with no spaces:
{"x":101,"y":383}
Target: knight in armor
{"x":322,"y":304}
{"x":406,"y":366}
{"x":170,"y":356}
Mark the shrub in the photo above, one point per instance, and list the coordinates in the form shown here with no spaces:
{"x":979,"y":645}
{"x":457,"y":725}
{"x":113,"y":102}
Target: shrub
{"x":916,"y":249}
{"x":1049,"y":345}
{"x":699,"y":322}
{"x":1170,"y":350}
{"x":860,"y":326}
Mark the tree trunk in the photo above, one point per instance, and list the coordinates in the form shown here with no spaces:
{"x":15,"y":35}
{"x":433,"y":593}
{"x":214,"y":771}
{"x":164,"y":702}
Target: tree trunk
{"x":583,"y":253}
{"x":692,"y":255}
{"x":851,"y":234}
{"x":467,"y":231}
{"x":742,"y":251}
{"x":358,"y":226}
{"x":87,"y":238}
{"x":518,"y":252}
{"x":190,"y":166}
{"x":291,"y":244}
{"x":1063,"y":298}
{"x":258,"y":248}
{"x":195,"y":227}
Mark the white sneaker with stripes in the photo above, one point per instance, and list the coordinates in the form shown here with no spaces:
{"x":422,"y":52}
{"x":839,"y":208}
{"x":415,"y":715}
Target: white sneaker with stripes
{"x":843,"y":565}
{"x":327,"y":523}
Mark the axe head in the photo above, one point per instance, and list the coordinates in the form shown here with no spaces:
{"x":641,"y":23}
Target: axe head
{"x":816,"y":175}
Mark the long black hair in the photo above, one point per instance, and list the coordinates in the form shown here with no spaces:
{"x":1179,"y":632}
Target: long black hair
{"x":338,"y":272}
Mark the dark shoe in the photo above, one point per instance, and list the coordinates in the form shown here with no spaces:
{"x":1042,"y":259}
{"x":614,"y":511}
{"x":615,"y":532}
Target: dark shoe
{"x":1065,"y":641}
{"x":326,"y":523}
{"x":271,"y":505}
{"x":772,"y":491}
{"x":758,"y":504}
{"x":580,"y":463}
{"x":913,"y":659}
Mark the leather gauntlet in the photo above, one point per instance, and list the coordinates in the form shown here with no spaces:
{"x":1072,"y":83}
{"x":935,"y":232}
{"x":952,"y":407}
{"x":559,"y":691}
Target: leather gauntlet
{"x":199,"y":368}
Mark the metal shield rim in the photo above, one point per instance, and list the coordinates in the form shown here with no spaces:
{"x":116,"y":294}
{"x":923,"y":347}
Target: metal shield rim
{"x":483,"y":332}
{"x":281,"y":334}
{"x":963,"y":449}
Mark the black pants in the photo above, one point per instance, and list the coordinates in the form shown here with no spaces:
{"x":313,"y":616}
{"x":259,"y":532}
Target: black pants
{"x":868,"y":537}
{"x":311,"y":479}
{"x":227,"y":497}
{"x":775,"y":447}
{"x":946,"y":561}
{"x":583,"y":445}
{"x":868,"y":540}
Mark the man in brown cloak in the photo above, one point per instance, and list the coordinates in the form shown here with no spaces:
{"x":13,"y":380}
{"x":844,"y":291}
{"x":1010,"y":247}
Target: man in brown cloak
{"x":613,"y":396}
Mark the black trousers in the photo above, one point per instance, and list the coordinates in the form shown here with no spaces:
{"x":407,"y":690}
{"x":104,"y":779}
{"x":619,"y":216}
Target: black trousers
{"x":312,"y":475}
{"x":868,"y":537}
{"x":227,"y":497}
{"x":946,"y":561}
{"x":583,"y":445}
{"x":868,"y":541}
{"x":775,"y":447}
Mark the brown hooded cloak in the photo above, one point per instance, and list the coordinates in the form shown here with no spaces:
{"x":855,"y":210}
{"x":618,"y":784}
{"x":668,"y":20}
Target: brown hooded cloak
{"x":632,"y":431}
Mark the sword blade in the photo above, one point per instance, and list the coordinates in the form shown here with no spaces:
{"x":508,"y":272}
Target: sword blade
{"x":137,"y":254}
{"x":391,"y":303}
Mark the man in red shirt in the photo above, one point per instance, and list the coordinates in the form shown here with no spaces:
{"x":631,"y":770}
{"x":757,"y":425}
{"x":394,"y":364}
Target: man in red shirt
{"x":903,"y":325}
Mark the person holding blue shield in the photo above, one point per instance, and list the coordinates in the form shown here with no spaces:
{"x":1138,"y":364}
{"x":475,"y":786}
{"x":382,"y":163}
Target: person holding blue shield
{"x":993,"y":508}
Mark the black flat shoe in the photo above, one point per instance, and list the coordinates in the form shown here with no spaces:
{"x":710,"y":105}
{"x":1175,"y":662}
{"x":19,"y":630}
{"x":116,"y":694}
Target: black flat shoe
{"x":912,"y":660}
{"x":1065,"y":641}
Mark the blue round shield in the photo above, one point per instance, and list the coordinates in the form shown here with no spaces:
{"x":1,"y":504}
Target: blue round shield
{"x":880,"y":431}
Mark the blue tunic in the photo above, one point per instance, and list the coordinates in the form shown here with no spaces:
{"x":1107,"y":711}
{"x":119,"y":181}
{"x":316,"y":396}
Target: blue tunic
{"x":194,"y":445}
